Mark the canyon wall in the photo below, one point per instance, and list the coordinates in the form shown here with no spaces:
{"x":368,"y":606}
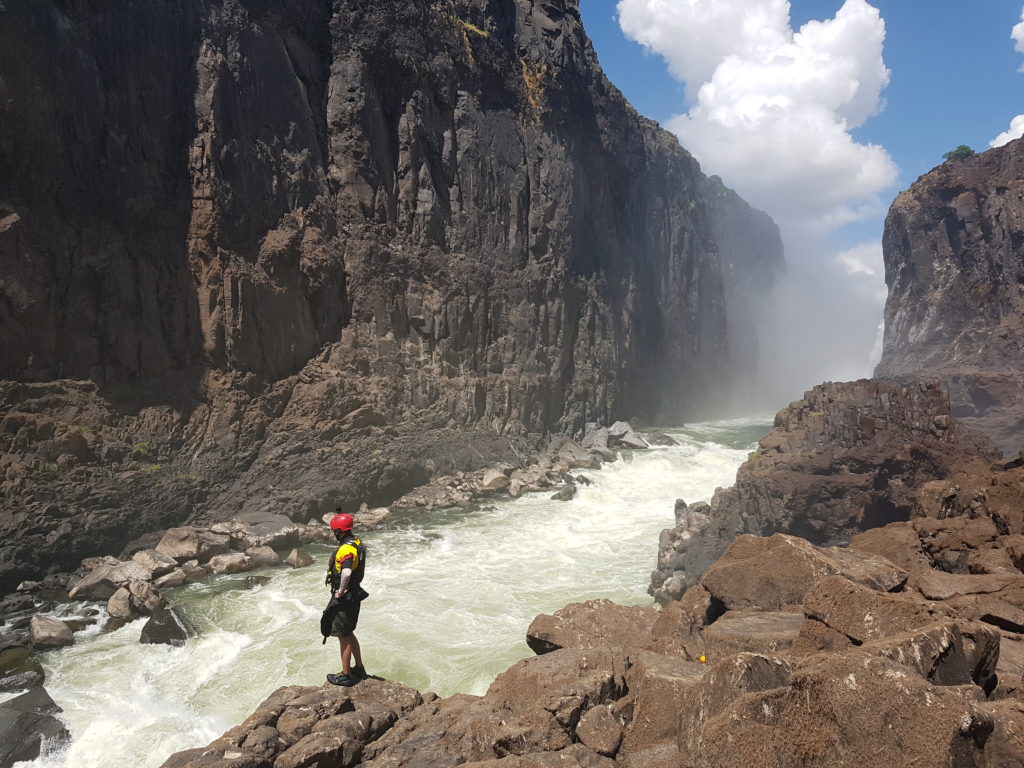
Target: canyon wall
{"x":954,"y":265}
{"x":290,"y":255}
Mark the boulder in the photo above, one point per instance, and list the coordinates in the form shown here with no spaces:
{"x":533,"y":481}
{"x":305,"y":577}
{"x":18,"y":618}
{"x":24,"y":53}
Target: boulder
{"x":367,"y":518}
{"x":595,"y":438}
{"x":494,"y":480}
{"x":593,"y":624}
{"x":837,"y":711}
{"x":194,"y":571}
{"x":600,"y":730}
{"x":263,"y":556}
{"x":1005,"y":747}
{"x":660,"y":438}
{"x":157,"y":563}
{"x":734,"y":678}
{"x":301,"y":727}
{"x":212,"y":544}
{"x":621,"y":434}
{"x":658,"y":684}
{"x":770,"y":573}
{"x":26,"y":722}
{"x":752,"y":632}
{"x":235,"y":562}
{"x":264,"y":529}
{"x":896,"y":542}
{"x":98,"y":584}
{"x":298,"y":559}
{"x":937,"y":585}
{"x":47,"y":632}
{"x":19,"y":669}
{"x":164,"y":627}
{"x":946,"y":653}
{"x":176,"y":578}
{"x":864,"y":614}
{"x":145,"y":598}
{"x":119,"y":605}
{"x":565,"y":493}
{"x":1010,"y":665}
{"x":180,"y":543}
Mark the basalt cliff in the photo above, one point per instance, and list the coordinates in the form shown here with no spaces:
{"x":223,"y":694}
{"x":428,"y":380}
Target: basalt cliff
{"x":954,"y":265}
{"x":283,"y":256}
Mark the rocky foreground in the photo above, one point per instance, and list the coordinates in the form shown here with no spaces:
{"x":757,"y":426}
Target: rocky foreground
{"x":784,"y":654}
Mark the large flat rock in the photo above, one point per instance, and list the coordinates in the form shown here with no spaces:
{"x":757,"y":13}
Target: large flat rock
{"x":771,"y":573}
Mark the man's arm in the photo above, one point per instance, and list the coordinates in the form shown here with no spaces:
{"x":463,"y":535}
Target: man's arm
{"x":344,"y":575}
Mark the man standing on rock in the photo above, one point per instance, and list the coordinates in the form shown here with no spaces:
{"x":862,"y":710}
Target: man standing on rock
{"x":344,"y":576}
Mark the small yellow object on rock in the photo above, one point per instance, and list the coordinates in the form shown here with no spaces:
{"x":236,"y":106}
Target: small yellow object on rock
{"x":702,"y":659}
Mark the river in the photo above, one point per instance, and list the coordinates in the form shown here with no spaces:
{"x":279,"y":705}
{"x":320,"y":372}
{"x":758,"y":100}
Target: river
{"x":451,"y":597}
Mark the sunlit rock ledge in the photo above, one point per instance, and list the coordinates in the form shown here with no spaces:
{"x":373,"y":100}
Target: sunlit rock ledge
{"x":814,"y":656}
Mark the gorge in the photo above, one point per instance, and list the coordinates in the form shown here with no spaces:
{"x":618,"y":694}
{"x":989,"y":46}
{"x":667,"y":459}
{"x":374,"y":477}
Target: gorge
{"x":262,"y":258}
{"x":463,"y":234}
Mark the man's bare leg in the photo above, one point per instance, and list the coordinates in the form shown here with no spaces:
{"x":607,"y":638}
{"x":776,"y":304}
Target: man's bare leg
{"x":350,"y":647}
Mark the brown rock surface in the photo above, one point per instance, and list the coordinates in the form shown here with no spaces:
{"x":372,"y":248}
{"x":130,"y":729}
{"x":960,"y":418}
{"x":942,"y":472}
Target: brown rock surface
{"x":846,"y":458}
{"x":855,"y":671}
{"x":953,"y":265}
{"x":771,"y":573}
{"x":838,"y":712}
{"x":594,"y":624}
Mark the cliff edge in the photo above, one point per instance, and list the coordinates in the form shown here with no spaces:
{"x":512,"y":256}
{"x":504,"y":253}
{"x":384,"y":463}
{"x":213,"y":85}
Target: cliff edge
{"x":954,"y":265}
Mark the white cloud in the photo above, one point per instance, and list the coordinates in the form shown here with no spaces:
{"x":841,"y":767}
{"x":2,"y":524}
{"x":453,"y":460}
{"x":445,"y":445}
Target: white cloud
{"x":1015,"y":131}
{"x":1017,"y":33}
{"x":772,"y":108}
{"x":865,"y":259}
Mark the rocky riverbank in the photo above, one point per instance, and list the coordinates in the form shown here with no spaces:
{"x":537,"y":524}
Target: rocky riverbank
{"x":783,"y":654}
{"x":845,"y":458}
{"x":142,"y":585}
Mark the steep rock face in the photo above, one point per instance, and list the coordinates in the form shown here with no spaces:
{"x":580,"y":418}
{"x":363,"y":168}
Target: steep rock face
{"x":845,"y":458}
{"x":246,"y":245}
{"x":954,"y":265}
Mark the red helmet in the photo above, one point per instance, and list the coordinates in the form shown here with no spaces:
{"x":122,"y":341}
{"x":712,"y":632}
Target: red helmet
{"x":341,"y":523}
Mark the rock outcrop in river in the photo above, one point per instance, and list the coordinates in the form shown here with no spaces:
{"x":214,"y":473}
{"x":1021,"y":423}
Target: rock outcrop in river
{"x":845,"y":458}
{"x":275,"y":258}
{"x":954,"y":264}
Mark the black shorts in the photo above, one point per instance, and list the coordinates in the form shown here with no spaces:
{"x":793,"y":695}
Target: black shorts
{"x":346,"y":618}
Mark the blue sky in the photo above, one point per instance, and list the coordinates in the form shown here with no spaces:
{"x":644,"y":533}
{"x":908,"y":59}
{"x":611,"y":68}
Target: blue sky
{"x":821,"y":126}
{"x":955,"y":78}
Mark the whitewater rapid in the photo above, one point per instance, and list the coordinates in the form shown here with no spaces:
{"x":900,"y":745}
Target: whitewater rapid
{"x":451,"y":597}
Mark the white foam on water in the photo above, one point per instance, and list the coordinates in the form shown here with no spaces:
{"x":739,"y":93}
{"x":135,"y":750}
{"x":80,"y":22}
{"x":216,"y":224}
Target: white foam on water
{"x":451,"y":597}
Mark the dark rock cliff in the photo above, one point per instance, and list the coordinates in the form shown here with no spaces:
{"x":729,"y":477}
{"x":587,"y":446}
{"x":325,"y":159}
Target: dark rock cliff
{"x":848,"y":457}
{"x":283,"y":255}
{"x":954,"y":265}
